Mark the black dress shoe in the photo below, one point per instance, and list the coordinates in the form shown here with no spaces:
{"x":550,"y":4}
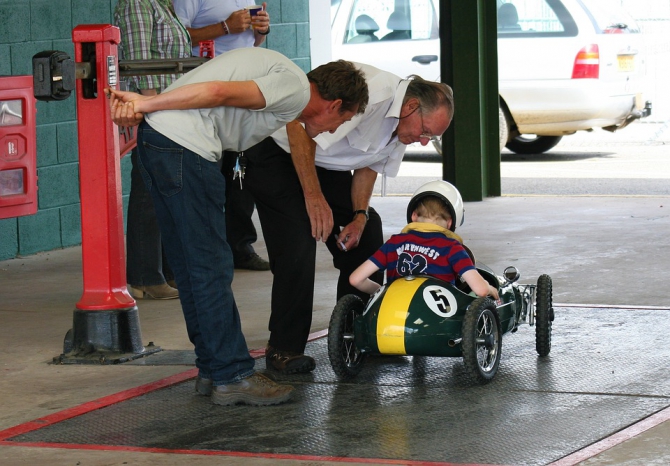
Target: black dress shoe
{"x":252,"y":262}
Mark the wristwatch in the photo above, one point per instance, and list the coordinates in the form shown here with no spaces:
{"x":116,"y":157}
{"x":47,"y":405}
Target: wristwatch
{"x":364,"y":212}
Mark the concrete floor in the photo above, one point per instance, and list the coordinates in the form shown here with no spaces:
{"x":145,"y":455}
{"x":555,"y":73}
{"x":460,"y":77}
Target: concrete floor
{"x":599,"y":250}
{"x":39,"y":293}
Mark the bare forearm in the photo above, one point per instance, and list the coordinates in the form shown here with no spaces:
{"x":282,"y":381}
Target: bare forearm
{"x":359,"y":277}
{"x":303,"y":154}
{"x":480,"y":286}
{"x":206,"y":32}
{"x":258,"y":39}
{"x":243,"y":94}
{"x":362,"y":186}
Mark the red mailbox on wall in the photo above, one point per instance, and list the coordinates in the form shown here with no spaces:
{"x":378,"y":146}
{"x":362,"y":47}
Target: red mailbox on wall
{"x":18,"y":153}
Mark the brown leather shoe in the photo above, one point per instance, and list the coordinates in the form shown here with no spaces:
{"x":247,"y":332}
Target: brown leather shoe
{"x":163,"y":291}
{"x":288,"y":362}
{"x":256,"y":390}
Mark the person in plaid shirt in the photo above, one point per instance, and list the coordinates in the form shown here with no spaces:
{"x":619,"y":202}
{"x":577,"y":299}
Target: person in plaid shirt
{"x":149,"y":30}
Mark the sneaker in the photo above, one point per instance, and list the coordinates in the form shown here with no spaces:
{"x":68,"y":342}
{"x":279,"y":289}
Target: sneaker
{"x":256,"y":390}
{"x":252,"y":262}
{"x":288,"y":362}
{"x":203,"y":386}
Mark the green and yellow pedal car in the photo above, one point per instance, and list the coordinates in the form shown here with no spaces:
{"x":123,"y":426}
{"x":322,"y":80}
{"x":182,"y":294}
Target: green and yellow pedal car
{"x":419,"y":315}
{"x":424,"y":316}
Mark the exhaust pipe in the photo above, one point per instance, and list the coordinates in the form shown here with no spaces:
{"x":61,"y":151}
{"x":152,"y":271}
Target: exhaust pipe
{"x":636,"y":115}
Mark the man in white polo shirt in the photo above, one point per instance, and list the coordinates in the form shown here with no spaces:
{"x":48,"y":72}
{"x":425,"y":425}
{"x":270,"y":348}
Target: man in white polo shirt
{"x":229,"y":103}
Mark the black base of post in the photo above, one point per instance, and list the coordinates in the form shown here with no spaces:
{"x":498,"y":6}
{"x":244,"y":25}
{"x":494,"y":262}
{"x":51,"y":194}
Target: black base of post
{"x":104,"y":337}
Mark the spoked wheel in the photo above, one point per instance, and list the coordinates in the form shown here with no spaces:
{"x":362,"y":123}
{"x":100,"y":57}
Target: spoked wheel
{"x":345,"y":358}
{"x":544,"y":315}
{"x":482,"y":340}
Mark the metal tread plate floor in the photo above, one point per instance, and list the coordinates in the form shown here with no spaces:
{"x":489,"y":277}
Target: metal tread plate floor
{"x":607,"y":370}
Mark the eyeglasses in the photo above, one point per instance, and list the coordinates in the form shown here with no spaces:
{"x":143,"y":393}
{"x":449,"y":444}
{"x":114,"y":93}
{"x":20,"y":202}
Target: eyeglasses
{"x":425,"y":133}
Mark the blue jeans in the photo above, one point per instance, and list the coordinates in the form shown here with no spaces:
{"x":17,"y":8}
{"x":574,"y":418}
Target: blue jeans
{"x":189,"y":194}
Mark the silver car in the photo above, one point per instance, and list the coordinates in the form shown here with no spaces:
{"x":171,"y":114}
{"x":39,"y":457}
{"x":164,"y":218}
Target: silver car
{"x":564,"y":65}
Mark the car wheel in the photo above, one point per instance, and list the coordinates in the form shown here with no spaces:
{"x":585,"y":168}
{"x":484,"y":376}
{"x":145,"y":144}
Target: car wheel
{"x":503,"y":132}
{"x":482,"y":340}
{"x":532,"y":144}
{"x":503,"y":128}
{"x":345,"y":358}
{"x":544,"y":315}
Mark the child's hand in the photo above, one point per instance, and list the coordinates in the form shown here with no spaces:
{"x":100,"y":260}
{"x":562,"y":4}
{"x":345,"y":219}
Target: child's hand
{"x":494,"y":294}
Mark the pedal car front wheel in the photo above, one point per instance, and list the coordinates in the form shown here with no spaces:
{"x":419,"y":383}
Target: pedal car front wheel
{"x":544,"y":315}
{"x":482,"y":340}
{"x":345,"y":358}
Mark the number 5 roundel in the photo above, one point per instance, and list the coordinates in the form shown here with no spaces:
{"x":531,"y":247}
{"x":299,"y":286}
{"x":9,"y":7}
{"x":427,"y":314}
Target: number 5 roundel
{"x":440,"y":300}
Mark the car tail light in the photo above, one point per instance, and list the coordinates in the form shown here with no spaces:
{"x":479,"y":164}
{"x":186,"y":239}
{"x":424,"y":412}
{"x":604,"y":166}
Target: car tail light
{"x":617,"y":28}
{"x":587,"y":63}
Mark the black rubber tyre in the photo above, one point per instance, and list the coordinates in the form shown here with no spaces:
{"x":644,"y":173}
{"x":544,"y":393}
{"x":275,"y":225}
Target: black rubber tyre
{"x":503,"y":128}
{"x":544,"y":315}
{"x":526,"y":144}
{"x":345,"y":358}
{"x":482,"y":340}
{"x":503,"y":132}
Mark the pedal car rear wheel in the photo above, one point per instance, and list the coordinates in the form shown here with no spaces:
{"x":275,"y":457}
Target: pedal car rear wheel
{"x":482,"y":340}
{"x":345,"y":358}
{"x":544,"y":315}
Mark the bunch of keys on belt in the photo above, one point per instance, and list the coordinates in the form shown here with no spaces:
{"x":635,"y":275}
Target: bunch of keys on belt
{"x":240,"y":167}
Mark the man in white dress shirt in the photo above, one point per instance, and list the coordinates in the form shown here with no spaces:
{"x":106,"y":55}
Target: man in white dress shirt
{"x":321,"y":190}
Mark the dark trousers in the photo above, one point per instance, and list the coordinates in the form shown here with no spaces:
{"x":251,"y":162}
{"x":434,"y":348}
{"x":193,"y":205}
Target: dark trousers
{"x":239,"y":209}
{"x":279,"y":198}
{"x":146,"y":264}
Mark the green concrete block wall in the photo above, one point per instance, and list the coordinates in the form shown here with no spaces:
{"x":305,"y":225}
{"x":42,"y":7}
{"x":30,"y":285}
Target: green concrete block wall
{"x":37,"y":232}
{"x":31,"y":26}
{"x":9,"y":239}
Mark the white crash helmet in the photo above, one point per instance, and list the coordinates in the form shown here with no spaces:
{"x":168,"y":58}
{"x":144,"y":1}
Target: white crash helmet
{"x":445,"y":191}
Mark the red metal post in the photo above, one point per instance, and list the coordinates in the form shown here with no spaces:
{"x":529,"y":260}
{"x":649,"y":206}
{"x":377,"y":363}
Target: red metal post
{"x":106,"y":321}
{"x":103,"y":255}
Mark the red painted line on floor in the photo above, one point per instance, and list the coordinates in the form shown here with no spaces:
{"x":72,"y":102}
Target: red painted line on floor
{"x":237,"y":454}
{"x":118,"y":397}
{"x":614,"y":439}
{"x":317,"y":335}
{"x":96,"y":404}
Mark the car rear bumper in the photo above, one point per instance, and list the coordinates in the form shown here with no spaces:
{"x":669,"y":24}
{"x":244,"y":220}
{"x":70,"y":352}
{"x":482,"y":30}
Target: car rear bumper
{"x":570,"y":106}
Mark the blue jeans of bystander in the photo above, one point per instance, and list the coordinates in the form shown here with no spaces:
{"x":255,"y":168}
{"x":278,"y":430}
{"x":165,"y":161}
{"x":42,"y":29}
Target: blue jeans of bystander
{"x":189,"y":194}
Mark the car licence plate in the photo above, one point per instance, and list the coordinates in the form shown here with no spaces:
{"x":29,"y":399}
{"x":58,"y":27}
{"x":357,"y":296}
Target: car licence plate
{"x":626,"y":63}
